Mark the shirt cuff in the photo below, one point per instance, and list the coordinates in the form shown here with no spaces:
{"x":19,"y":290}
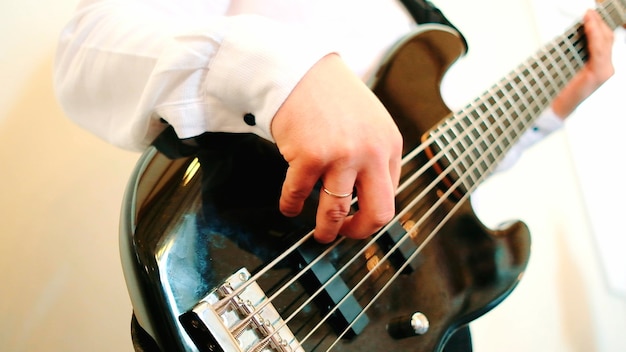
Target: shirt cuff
{"x":257,"y":65}
{"x":547,"y":123}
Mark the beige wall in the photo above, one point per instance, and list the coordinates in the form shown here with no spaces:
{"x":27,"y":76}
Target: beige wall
{"x":61,"y":286}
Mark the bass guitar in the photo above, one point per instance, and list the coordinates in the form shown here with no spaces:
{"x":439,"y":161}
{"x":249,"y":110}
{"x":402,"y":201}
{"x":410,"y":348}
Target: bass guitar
{"x":212,"y":265}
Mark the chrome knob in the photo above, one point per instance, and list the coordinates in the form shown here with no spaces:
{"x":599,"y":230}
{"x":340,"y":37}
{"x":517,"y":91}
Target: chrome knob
{"x":419,"y":323}
{"x":408,"y":325}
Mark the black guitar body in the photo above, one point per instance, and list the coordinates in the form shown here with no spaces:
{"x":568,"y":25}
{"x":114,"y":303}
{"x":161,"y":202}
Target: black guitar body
{"x":189,"y":224}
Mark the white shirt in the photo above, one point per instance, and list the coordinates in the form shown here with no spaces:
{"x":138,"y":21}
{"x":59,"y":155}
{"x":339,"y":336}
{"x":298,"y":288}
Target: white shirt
{"x":124,"y":65}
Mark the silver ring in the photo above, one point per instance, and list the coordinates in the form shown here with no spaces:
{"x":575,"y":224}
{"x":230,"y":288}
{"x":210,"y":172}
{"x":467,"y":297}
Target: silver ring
{"x":336,"y":195}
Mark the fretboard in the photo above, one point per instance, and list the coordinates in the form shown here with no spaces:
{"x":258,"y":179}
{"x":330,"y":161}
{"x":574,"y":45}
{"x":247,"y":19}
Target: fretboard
{"x":473,"y":140}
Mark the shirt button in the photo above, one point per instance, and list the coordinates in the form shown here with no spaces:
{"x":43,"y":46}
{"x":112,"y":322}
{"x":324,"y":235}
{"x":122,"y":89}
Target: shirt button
{"x":249,"y":119}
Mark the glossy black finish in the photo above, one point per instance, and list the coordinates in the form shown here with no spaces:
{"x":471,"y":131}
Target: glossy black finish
{"x":189,"y":223}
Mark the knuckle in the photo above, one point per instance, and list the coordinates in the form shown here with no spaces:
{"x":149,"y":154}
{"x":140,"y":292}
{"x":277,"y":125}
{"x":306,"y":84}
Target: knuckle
{"x":291,"y":201}
{"x":314,"y":159}
{"x":337,"y":213}
{"x":344,"y":148}
{"x":293,"y":192}
{"x":295,"y":195}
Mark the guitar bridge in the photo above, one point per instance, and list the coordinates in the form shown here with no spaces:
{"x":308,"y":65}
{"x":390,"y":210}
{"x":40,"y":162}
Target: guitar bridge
{"x":238,"y":325}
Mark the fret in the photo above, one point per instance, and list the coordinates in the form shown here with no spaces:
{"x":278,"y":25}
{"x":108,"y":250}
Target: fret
{"x":496,"y":111}
{"x":466,"y":121}
{"x":477,"y":117}
{"x":530,"y":84}
{"x":546,"y":71}
{"x":474,"y":139}
{"x":507,"y":119}
{"x":520,"y":92}
{"x":511,"y":116}
{"x":580,"y":54}
{"x":541,"y":75}
{"x":607,"y":18}
{"x":566,"y":61}
{"x":453,"y":151}
{"x":479,"y":168}
{"x":474,"y":148}
{"x":494,"y":133}
{"x":465,"y":141}
{"x":464,"y":124}
{"x":621,"y":12}
{"x":556,"y":58}
{"x":481,"y":127}
{"x":518,"y":120}
{"x":463,"y":164}
{"x":502,"y":109}
{"x":617,"y":14}
{"x":616,"y":11}
{"x":470,"y":158}
{"x":515,"y":115}
{"x":540,"y":88}
{"x":519,"y":96}
{"x":523,"y":109}
{"x":449,"y":147}
{"x":475,"y":134}
{"x":539,"y":84}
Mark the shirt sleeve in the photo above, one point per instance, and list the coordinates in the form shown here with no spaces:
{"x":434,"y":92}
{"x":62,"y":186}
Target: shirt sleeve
{"x":547,"y":123}
{"x":125,"y":69}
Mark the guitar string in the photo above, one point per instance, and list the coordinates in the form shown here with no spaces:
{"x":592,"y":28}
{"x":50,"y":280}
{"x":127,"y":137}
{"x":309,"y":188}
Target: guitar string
{"x":326,"y":252}
{"x":416,"y":252}
{"x":417,"y":150}
{"x":390,"y":281}
{"x":245,"y":321}
{"x":383,"y":259}
{"x":398,"y":271}
{"x":621,"y":16}
{"x":407,"y":158}
{"x":442,"y":198}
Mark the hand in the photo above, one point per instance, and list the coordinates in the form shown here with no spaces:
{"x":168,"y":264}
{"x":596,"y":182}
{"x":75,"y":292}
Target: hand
{"x":597,"y":70}
{"x":333,"y":128}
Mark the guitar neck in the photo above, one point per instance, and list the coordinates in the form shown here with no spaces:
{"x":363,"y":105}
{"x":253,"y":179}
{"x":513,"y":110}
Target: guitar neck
{"x":473,"y":140}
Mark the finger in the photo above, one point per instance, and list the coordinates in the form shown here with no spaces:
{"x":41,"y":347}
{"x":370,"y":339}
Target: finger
{"x":600,"y":42}
{"x":376,"y":199}
{"x":298,"y":184}
{"x":597,"y":28}
{"x":334,"y":204}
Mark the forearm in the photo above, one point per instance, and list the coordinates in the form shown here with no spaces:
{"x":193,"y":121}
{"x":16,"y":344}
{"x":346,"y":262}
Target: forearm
{"x":578,"y":89}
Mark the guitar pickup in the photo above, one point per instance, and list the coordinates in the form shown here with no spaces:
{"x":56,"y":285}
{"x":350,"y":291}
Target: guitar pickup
{"x":238,"y":325}
{"x":347,"y":317}
{"x":394,"y":235}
